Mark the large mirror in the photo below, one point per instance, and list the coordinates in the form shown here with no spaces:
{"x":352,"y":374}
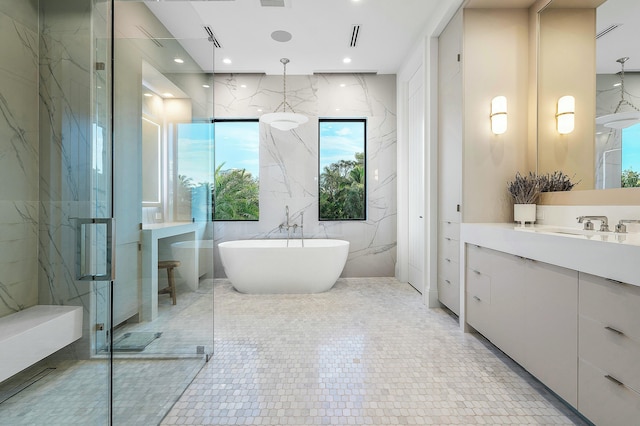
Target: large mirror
{"x":583,"y":60}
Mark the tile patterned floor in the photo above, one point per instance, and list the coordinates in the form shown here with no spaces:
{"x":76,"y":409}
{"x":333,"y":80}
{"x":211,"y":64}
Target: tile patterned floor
{"x":368,"y":352}
{"x":145,"y":384}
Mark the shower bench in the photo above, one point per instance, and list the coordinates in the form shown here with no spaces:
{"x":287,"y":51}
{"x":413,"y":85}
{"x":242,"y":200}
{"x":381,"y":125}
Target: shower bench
{"x":32,"y":334}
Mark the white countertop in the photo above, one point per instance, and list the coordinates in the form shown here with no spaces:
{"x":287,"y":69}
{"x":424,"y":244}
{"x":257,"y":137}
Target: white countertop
{"x":609,"y":255}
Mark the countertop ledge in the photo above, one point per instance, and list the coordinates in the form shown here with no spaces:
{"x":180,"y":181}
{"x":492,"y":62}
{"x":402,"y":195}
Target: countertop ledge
{"x":609,"y":255}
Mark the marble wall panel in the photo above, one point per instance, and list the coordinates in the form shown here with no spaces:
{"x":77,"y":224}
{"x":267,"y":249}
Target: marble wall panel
{"x":289,"y":161}
{"x":18,"y":155}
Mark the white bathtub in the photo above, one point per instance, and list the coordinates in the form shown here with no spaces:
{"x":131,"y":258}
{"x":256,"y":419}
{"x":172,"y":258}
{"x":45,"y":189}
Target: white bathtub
{"x":196,"y":260}
{"x":269,"y":266}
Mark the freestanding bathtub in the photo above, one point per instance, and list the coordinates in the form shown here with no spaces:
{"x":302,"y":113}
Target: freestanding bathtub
{"x":269,"y":266}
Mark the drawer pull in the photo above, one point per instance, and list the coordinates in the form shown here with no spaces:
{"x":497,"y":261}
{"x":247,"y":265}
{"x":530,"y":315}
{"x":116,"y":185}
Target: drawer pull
{"x":447,"y":238}
{"x":477,"y":272}
{"x":618,"y":332}
{"x":447,"y":259}
{"x":614,"y":380}
{"x":615,"y":281}
{"x":619,"y":383}
{"x":447,"y":281}
{"x":477,"y":298}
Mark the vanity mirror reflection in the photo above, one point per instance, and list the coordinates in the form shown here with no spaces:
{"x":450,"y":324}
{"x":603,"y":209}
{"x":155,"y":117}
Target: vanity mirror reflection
{"x":579,"y":44}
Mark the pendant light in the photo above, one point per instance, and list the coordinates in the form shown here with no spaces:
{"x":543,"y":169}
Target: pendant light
{"x":621,"y":120}
{"x":284,"y":120}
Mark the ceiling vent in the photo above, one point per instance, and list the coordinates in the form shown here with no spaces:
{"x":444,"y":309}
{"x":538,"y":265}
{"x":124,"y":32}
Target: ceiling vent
{"x":147,"y":34}
{"x":212,"y":37}
{"x":272,"y":3}
{"x":607,"y":30}
{"x":355,"y":31}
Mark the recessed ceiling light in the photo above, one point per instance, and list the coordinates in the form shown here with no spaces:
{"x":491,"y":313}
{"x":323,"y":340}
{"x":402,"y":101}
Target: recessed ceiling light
{"x":617,"y":84}
{"x":178,"y":61}
{"x":148,"y":95}
{"x":337,"y":109}
{"x":244,"y":86}
{"x":259,"y":109}
{"x":168,"y":95}
{"x":226,"y":61}
{"x":343,"y":85}
{"x":347,"y":60}
{"x":206,"y":86}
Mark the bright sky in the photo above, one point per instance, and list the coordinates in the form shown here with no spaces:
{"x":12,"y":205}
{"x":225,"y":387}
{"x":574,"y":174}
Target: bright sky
{"x":340,"y":141}
{"x":631,"y":148}
{"x":236,"y":146}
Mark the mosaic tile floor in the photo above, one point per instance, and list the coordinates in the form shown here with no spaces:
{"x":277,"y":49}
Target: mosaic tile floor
{"x":368,"y":352}
{"x":145,"y":384}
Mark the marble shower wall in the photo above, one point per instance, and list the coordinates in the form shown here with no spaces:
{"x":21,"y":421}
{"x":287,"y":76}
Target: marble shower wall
{"x":609,"y":141}
{"x":18,"y":155}
{"x":289,"y":161}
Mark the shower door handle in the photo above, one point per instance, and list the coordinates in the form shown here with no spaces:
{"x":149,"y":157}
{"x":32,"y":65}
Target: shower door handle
{"x":95,"y":249}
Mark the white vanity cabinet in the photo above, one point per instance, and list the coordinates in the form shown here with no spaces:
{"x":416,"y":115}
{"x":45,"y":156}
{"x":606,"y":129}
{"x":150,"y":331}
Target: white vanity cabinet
{"x":528,"y":309}
{"x":609,"y":351}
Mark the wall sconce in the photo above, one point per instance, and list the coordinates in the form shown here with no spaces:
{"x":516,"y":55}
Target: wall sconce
{"x":566,"y":114}
{"x":499,"y":115}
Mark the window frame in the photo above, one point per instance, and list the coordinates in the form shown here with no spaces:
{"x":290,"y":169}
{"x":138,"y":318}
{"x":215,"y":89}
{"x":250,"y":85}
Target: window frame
{"x":364,"y":121}
{"x":235,"y":120}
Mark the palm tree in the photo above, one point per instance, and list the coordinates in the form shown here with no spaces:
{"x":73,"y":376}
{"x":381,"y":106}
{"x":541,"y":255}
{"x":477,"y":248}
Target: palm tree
{"x":342,"y":191}
{"x":235,"y":195}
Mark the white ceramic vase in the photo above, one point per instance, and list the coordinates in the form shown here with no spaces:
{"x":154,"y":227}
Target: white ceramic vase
{"x":523,"y":213}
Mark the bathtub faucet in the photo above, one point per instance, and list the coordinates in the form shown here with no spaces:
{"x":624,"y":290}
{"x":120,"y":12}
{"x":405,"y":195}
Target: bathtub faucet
{"x":288,"y":225}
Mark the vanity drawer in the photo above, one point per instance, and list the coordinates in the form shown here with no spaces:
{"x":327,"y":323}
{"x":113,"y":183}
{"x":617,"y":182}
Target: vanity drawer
{"x":450,"y":230}
{"x":604,"y":401}
{"x":450,"y":249}
{"x":448,"y":268}
{"x":479,"y":259}
{"x":478,"y":302}
{"x":449,"y":293}
{"x":610,"y":351}
{"x":611,"y":303}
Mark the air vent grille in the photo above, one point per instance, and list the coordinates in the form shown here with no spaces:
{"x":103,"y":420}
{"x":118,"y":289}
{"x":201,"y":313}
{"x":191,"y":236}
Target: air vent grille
{"x":272,"y":3}
{"x":212,"y":37}
{"x":607,"y":30}
{"x":147,"y":34}
{"x":355,"y":31}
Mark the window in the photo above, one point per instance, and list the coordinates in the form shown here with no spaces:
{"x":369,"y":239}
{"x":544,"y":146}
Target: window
{"x":342,"y":188}
{"x":236,"y":171}
{"x":631,"y":156}
{"x":218,"y":170}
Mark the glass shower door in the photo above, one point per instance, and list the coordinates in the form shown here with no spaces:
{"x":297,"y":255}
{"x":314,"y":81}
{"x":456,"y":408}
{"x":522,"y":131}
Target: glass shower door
{"x":163,"y":157}
{"x":56,"y":170}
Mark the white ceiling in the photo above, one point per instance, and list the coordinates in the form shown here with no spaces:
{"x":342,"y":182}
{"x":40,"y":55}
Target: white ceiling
{"x":623,"y":41}
{"x":322,"y":30}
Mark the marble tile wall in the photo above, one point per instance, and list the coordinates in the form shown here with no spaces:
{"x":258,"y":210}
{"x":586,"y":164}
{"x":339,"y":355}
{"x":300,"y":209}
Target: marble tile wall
{"x":18,"y":155}
{"x":289,"y":161}
{"x":74,"y":172}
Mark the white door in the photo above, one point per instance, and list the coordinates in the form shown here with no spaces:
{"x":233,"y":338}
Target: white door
{"x":415,"y":114}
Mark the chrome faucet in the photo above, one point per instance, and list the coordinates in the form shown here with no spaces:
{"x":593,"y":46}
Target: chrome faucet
{"x":288,"y":225}
{"x":604,"y":225}
{"x":622,"y":228}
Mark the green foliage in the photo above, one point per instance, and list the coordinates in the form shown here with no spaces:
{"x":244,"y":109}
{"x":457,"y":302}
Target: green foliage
{"x":235,"y":195}
{"x":630,"y":178}
{"x":342,"y":190}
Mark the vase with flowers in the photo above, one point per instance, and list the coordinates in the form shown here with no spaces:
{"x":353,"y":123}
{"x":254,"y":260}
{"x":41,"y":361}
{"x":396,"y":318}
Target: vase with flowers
{"x":525,"y":191}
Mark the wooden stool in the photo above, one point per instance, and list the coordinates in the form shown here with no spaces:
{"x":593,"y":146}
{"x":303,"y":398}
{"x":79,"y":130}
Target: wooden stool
{"x":169,"y":265}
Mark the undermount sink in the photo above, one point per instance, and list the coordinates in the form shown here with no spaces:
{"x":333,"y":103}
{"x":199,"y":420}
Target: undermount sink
{"x":627,"y":238}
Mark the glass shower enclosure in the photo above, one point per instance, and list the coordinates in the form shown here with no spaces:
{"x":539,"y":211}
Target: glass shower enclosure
{"x":97,"y":117}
